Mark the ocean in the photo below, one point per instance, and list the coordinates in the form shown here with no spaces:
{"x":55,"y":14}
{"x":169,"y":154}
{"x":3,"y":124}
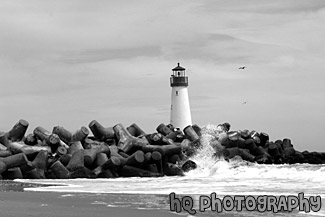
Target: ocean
{"x":233,"y":178}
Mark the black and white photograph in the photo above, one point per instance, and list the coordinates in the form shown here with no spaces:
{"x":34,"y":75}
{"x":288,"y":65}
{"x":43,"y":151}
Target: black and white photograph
{"x":162,"y":108}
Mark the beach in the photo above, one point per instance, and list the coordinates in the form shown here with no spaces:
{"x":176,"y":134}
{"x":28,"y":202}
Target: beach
{"x":14,"y":202}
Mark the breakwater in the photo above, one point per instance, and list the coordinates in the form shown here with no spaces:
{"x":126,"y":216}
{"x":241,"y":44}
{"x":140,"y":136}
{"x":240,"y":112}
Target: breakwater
{"x":98,"y":151}
{"x":256,"y":147}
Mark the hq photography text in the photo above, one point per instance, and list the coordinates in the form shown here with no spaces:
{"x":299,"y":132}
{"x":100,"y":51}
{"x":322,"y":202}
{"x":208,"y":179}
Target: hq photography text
{"x":262,"y":203}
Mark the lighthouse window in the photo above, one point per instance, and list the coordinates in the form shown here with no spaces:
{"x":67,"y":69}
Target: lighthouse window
{"x":176,"y":93}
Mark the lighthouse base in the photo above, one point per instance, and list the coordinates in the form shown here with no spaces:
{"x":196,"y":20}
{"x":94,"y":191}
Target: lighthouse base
{"x":180,"y":115}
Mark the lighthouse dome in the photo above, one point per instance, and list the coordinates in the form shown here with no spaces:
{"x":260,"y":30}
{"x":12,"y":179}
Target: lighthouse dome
{"x":178,"y":68}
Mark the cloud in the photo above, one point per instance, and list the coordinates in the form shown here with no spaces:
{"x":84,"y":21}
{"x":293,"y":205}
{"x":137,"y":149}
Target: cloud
{"x":96,"y":55}
{"x":234,"y":50}
{"x":264,"y":6}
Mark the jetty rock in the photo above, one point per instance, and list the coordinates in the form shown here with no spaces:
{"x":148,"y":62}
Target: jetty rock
{"x":256,"y":147}
{"x":97,"y":151}
{"x":117,"y":151}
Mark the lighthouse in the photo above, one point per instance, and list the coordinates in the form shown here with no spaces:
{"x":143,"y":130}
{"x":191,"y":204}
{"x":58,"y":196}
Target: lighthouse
{"x":180,"y":113}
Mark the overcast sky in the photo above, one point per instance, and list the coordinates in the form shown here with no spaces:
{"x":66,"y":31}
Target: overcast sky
{"x":69,"y":62}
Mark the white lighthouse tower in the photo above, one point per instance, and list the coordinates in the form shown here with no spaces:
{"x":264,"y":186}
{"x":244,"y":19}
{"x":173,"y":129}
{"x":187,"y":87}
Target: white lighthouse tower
{"x":180,"y":114}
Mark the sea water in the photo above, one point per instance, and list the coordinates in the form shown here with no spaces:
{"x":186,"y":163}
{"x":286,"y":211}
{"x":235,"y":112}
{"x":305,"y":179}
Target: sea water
{"x":218,"y":176}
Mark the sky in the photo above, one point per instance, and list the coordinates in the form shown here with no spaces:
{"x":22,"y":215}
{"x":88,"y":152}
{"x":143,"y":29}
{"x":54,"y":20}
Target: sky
{"x":67,"y":63}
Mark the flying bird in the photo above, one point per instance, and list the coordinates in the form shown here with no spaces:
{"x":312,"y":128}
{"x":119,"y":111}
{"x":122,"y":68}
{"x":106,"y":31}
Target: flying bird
{"x":244,"y":102}
{"x":242,"y":67}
